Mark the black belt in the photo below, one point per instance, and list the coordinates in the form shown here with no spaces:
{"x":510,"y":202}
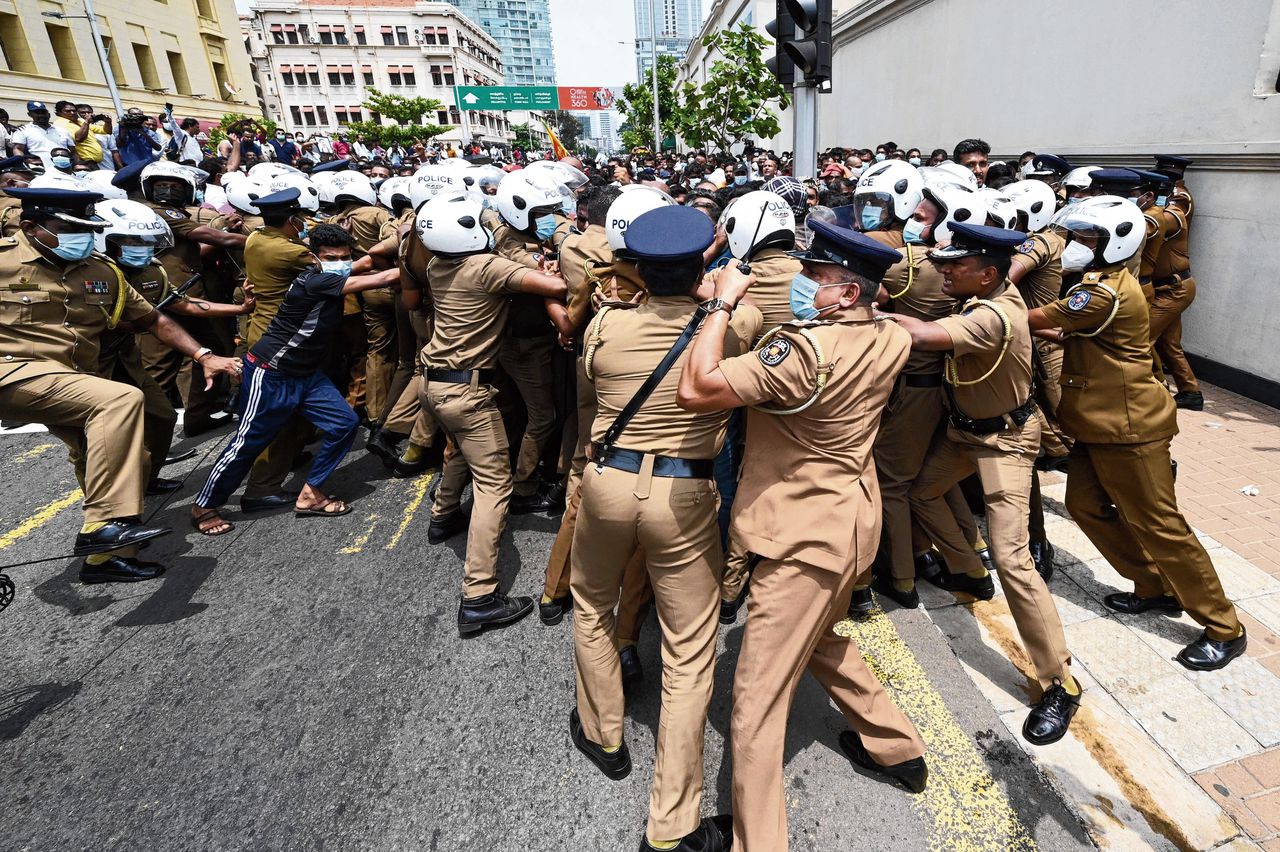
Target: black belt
{"x":922,"y":380}
{"x":1172,"y":279}
{"x":665,"y":466}
{"x":460,"y":377}
{"x":991,"y":425}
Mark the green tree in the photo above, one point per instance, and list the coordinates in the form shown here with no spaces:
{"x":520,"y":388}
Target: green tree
{"x":239,"y":122}
{"x":569,"y":129}
{"x":526,"y":139}
{"x":407,"y":114}
{"x":636,"y":106}
{"x":733,"y":103}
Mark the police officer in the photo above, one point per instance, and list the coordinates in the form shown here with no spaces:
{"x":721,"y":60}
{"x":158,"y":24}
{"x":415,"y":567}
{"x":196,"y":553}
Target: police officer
{"x":469,"y":290}
{"x":650,"y":482}
{"x":1123,"y":421}
{"x":57,"y":298}
{"x":1174,"y":287}
{"x":886,"y":195}
{"x":1050,"y":169}
{"x":807,"y":504}
{"x":14,"y":173}
{"x":993,"y":431}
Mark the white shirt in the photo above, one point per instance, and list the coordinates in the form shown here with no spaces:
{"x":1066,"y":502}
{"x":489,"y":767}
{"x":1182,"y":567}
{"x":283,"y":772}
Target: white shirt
{"x":188,"y":146}
{"x":41,"y":140}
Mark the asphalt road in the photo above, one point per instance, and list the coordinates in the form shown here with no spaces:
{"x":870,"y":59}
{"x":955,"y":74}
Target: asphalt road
{"x":300,"y":684}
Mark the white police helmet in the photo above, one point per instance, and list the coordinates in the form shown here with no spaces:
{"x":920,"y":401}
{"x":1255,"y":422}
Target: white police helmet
{"x":353,"y":186}
{"x":394,"y":188}
{"x":243,"y":194}
{"x":522,"y":192}
{"x":100,"y":182}
{"x":955,"y":204}
{"x":568,"y":178}
{"x":1035,"y":200}
{"x":432,"y":180}
{"x":489,"y":176}
{"x":949,"y":171}
{"x":758,"y":220}
{"x":887,"y":192}
{"x":58,"y":180}
{"x":308,"y":195}
{"x":1079,"y":178}
{"x":450,"y":224}
{"x":1116,"y":223}
{"x":265,"y":172}
{"x":132,"y":223}
{"x":163,"y":169}
{"x":634,"y":200}
{"x":1000,"y":207}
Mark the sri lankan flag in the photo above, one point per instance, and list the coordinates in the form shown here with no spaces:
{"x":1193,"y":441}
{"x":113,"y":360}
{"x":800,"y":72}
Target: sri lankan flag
{"x":557,"y":146}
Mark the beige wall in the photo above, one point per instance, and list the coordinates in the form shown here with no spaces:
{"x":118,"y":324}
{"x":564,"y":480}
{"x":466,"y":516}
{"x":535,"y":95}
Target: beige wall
{"x":164,"y":27}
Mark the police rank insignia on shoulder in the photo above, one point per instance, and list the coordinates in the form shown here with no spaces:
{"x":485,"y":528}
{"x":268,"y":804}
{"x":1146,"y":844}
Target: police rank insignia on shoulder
{"x":1028,"y":246}
{"x":97,"y":288}
{"x":1078,"y":301}
{"x":773,"y":354}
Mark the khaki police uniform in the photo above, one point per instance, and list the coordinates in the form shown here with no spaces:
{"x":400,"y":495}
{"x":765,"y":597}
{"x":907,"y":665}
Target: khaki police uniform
{"x":51,"y":320}
{"x":470,"y":297}
{"x":1174,"y":290}
{"x":272,"y":260}
{"x":407,"y":415}
{"x":1003,"y":458}
{"x":380,"y":352}
{"x":808,"y":504}
{"x":1041,"y":259}
{"x":1123,"y":421}
{"x":674,"y":521}
{"x":527,"y":350}
{"x":773,"y":269}
{"x":914,"y":416}
{"x":10,"y":214}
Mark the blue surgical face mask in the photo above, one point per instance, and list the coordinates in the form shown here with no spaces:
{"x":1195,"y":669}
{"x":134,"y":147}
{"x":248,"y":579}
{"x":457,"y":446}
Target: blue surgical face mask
{"x":740,"y":180}
{"x":1162,"y":200}
{"x":305,"y":230}
{"x":546,"y":226}
{"x":136,"y":255}
{"x":61,"y":162}
{"x":199,"y":196}
{"x":871,"y":218}
{"x":73,"y":246}
{"x":913,"y":231}
{"x":915,"y":161}
{"x":337,"y":267}
{"x":570,"y":206}
{"x":803,"y":291}
{"x":880,"y":156}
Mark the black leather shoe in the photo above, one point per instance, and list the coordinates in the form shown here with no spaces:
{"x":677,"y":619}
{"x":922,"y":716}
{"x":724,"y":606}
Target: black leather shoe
{"x":988,"y":561}
{"x":930,"y":566}
{"x":982,"y":588}
{"x":529,"y":504}
{"x":1205,"y":654}
{"x":729,"y":609}
{"x":214,"y":421}
{"x":407,"y":469}
{"x":912,"y":774}
{"x":884,"y":586}
{"x":713,"y":834}
{"x":1131,"y":604}
{"x":160,"y":485}
{"x":492,"y":610}
{"x":447,"y":526}
{"x":1042,"y":556}
{"x":178,"y":457}
{"x":264,"y":504}
{"x":552,"y":613}
{"x":1052,"y":463}
{"x":861,"y":604}
{"x":118,"y":569}
{"x":615,"y":765}
{"x":632,"y":670}
{"x":1190,"y":400}
{"x":384,"y":445}
{"x":557,"y":495}
{"x":115,"y":534}
{"x":1048,"y":721}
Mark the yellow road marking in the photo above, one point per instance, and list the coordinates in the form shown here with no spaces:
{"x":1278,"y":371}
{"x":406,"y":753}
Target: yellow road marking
{"x":43,"y":515}
{"x":968,"y":809}
{"x":33,"y":452}
{"x":361,"y":540}
{"x":415,"y":502}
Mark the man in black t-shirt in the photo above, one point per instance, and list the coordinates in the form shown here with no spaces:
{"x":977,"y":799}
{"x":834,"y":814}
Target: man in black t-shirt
{"x":282,"y":375}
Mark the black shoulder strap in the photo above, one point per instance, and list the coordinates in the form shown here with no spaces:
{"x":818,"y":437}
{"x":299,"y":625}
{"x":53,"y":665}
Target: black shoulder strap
{"x":664,"y":367}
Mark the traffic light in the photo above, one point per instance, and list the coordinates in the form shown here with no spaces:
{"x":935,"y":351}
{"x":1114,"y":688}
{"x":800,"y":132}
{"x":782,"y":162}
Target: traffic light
{"x":810,"y":46}
{"x":783,"y":29}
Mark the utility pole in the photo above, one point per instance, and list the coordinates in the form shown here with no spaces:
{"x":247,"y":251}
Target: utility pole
{"x":107,"y":73}
{"x":653,"y":33}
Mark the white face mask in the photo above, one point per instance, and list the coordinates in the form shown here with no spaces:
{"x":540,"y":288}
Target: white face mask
{"x":1076,"y":257}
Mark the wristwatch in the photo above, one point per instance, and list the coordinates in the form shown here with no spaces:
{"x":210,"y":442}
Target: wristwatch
{"x":200,"y":353}
{"x":713,"y":305}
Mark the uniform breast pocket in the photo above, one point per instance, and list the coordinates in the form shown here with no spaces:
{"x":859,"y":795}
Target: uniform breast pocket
{"x":1073,"y":382}
{"x":23,"y":308}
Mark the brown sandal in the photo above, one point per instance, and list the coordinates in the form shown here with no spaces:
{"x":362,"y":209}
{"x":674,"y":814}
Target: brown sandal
{"x":197,"y":522}
{"x":321,"y":511}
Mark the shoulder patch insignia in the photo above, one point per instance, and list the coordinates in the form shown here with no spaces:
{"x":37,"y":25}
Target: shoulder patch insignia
{"x":97,"y":288}
{"x":1078,"y":300}
{"x":171,"y":214}
{"x":775,"y":352}
{"x":1028,"y":246}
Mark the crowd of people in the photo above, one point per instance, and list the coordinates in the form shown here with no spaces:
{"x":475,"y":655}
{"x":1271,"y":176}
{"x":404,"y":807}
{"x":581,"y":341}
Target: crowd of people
{"x":740,"y":386}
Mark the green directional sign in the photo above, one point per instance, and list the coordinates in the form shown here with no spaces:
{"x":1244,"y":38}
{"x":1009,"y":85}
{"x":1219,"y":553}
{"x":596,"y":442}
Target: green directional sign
{"x":507,"y":97}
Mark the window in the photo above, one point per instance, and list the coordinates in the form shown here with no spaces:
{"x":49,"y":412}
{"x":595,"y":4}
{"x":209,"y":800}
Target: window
{"x":388,"y":36}
{"x":286,"y":75}
{"x":222,"y":80}
{"x":291,"y":33}
{"x":402,"y":76}
{"x":359,"y":30}
{"x":438,"y":80}
{"x":442,"y":117}
{"x":304,"y":34}
{"x":428,"y":35}
{"x":402,"y":35}
{"x":448,"y":75}
{"x":335,"y":76}
{"x":340,"y":35}
{"x":13,"y":45}
{"x":366,"y":71}
{"x":64,"y":52}
{"x":113,"y":58}
{"x":442,"y":33}
{"x":204,"y":8}
{"x":296,"y":114}
{"x":277,"y":34}
{"x":179,"y":71}
{"x":323,"y":114}
{"x":326,"y":34}
{"x":146,"y":66}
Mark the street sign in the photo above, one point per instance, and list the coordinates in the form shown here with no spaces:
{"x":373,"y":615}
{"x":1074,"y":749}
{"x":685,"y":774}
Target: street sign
{"x":534,"y":97}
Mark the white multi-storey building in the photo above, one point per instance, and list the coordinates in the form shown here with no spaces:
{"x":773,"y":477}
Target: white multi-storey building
{"x":315,"y":61}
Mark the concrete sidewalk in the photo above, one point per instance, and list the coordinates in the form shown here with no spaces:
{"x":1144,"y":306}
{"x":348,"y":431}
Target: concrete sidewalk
{"x":1158,"y":756}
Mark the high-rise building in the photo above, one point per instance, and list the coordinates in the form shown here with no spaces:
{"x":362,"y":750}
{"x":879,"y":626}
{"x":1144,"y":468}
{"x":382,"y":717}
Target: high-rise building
{"x":522,"y":29}
{"x":677,"y":22}
{"x":188,"y":54}
{"x":315,"y":61}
